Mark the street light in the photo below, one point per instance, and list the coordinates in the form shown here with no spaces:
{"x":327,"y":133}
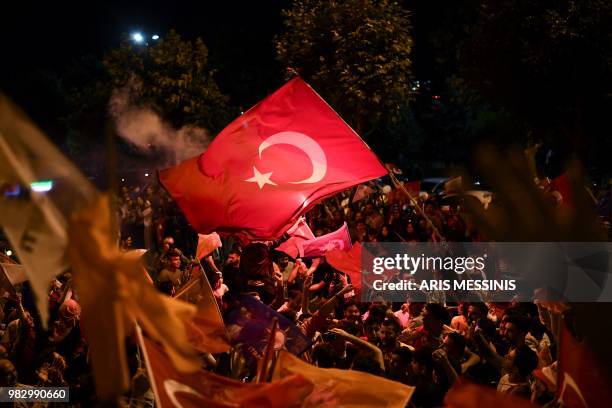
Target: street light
{"x":155,"y":37}
{"x":137,"y":37}
{"x":9,"y":252}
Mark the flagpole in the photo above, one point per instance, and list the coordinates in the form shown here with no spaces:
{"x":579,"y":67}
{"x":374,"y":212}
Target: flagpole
{"x":148,"y":365}
{"x":399,"y":185}
{"x":263,"y":370}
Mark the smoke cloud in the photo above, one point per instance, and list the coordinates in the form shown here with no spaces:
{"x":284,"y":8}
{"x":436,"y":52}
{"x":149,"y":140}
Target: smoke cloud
{"x":150,"y":135}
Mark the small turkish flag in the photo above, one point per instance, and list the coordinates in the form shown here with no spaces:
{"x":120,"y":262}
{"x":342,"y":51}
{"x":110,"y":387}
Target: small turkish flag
{"x":270,"y":166}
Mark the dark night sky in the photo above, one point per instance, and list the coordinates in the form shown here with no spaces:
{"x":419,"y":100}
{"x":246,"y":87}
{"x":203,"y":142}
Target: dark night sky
{"x":47,"y":36}
{"x":38,"y":36}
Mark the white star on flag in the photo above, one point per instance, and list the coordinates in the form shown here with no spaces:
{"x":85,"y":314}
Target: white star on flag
{"x":261,"y":179}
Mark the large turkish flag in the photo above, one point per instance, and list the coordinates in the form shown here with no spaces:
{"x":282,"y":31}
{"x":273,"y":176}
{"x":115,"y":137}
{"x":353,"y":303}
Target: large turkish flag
{"x":271,"y":165}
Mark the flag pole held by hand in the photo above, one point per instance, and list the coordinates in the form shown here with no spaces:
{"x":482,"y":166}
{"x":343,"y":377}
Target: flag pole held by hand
{"x":263,"y":369}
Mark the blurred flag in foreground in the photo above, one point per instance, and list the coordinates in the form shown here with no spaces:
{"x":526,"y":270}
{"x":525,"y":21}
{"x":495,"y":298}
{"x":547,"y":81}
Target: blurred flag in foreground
{"x":115,"y":293}
{"x":348,"y":388}
{"x":270,"y":166}
{"x":249,"y":324}
{"x":204,"y":389}
{"x":40,"y":189}
{"x":206,"y":330}
{"x":339,"y":239}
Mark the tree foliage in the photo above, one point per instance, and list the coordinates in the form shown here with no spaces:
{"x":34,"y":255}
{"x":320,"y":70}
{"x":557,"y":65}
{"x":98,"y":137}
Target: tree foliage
{"x":172,"y":77}
{"x":356,"y":53}
{"x":546,"y":61}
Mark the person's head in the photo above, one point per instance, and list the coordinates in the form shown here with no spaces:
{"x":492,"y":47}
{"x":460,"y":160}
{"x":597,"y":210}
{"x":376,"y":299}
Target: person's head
{"x":488,"y":328}
{"x":389,"y":329}
{"x":462,"y":308}
{"x":422,"y":362}
{"x":8,"y":374}
{"x":283,"y":261}
{"x":174,"y":259}
{"x":515,"y":329}
{"x":369,"y":209}
{"x":324,"y":356}
{"x":295,"y":299}
{"x":454,"y":344}
{"x":371,"y":328}
{"x":415,"y":308}
{"x":127,"y":242}
{"x":410,"y":228}
{"x":477,"y":311}
{"x":434,"y":317}
{"x":524,"y":361}
{"x":401,"y":357}
{"x":404,"y":308}
{"x":337,"y":216}
{"x":167,"y":244}
{"x":359,"y":217}
{"x":362,"y":228}
{"x":366,"y":363}
{"x":233,"y":258}
{"x":70,"y":313}
{"x":385,"y":231}
{"x":351,"y":312}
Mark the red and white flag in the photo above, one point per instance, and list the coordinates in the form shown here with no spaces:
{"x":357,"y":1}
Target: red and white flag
{"x":300,"y":232}
{"x":174,"y":389}
{"x":270,"y":166}
{"x":580,"y":382}
{"x":348,"y":262}
{"x":339,"y":239}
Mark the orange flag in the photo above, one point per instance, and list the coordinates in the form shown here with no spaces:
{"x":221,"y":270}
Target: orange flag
{"x":206,"y":331}
{"x":468,"y":395}
{"x":114,"y":293}
{"x":347,"y":388}
{"x":204,"y":389}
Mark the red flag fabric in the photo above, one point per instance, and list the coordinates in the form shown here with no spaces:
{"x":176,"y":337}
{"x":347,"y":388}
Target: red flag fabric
{"x":207,"y":244}
{"x":580,"y":382}
{"x":300,"y":232}
{"x":270,"y":166}
{"x":339,"y":239}
{"x":204,"y":389}
{"x":348,"y":262}
{"x":561,"y":188}
{"x":468,"y":395}
{"x":363,"y":191}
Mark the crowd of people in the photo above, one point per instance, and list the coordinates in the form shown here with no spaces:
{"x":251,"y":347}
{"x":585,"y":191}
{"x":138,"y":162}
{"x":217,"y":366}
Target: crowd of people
{"x":426,"y":345}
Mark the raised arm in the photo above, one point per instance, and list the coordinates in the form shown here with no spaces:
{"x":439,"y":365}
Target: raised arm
{"x":363,"y":344}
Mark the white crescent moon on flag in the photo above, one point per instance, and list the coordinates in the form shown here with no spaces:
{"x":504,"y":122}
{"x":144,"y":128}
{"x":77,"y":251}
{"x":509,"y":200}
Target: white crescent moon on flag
{"x":307,"y":145}
{"x":172,"y":387}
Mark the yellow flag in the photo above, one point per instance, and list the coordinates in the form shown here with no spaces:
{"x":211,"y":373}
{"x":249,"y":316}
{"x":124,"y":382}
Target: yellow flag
{"x":347,"y":388}
{"x":114,"y":293}
{"x":48,"y":189}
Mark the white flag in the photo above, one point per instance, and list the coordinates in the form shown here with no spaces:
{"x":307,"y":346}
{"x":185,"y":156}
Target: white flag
{"x":34,"y":220}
